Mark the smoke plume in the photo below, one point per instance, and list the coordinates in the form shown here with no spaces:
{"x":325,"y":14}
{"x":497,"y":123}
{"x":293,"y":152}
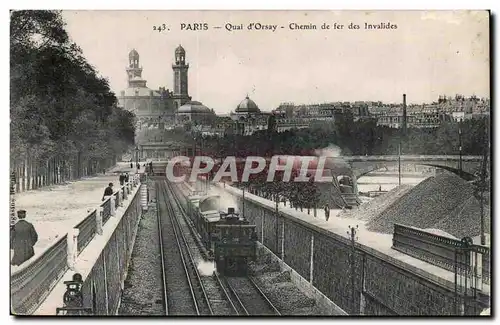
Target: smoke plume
{"x":330,"y":151}
{"x":206,"y":268}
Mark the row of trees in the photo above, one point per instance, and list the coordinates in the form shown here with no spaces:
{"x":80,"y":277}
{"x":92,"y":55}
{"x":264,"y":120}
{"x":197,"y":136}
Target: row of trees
{"x":357,"y":138}
{"x":65,"y":123}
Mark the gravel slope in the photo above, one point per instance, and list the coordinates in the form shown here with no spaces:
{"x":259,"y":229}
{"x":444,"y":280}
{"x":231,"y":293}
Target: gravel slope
{"x":443,"y":202}
{"x":465,"y":220}
{"x":376,"y":206}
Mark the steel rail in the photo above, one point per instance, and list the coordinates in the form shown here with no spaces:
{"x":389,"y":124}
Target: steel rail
{"x":189,"y":258}
{"x":179,"y":249}
{"x":162,"y":256}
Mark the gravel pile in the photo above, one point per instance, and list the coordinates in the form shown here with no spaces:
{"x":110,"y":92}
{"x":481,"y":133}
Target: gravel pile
{"x":426,"y":205}
{"x":376,"y":206}
{"x":143,"y":293}
{"x":465,"y":220}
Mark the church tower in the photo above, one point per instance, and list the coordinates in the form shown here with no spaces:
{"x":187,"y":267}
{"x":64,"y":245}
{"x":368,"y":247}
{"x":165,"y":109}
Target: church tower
{"x":180,"y":95}
{"x":134,"y":72}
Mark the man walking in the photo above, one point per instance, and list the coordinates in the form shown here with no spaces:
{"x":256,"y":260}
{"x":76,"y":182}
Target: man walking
{"x":327,"y":212}
{"x":23,"y":238}
{"x":108,"y":191}
{"x":122,"y":179}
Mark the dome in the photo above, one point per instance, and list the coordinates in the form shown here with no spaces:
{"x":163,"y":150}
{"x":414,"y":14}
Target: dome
{"x":133,"y":54}
{"x":180,"y":50}
{"x":247,"y":106}
{"x":194,"y":107}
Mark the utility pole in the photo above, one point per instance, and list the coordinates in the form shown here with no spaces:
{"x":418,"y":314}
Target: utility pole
{"x":460,"y":146}
{"x":399,"y":163}
{"x":243,"y":204}
{"x":402,"y":136}
{"x":483,"y":183}
{"x":352,"y":233}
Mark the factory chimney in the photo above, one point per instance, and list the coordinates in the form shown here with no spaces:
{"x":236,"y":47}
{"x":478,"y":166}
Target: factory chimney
{"x":404,"y":126}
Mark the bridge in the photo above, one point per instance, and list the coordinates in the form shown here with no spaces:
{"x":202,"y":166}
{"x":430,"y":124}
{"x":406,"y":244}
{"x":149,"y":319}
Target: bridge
{"x":356,"y":166}
{"x":362,"y":165}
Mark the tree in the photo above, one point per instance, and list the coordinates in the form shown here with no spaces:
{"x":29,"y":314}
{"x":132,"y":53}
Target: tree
{"x":63,"y":114}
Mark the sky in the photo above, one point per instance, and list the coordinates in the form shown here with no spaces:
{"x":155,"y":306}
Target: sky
{"x":428,"y":54}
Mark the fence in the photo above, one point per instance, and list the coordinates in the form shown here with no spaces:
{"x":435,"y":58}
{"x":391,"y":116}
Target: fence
{"x":438,"y":250}
{"x":102,"y":287}
{"x":31,"y":284}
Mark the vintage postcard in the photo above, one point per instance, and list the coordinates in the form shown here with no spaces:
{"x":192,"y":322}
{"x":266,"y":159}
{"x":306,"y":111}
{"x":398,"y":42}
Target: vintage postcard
{"x":250,"y":163}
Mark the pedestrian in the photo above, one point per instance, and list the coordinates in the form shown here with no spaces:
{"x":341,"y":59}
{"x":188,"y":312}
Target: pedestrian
{"x":23,"y":238}
{"x":380,"y":188}
{"x":121,"y":179}
{"x":327,"y":212}
{"x":151,"y":168}
{"x":126,"y":177}
{"x":138,"y":167}
{"x":108,"y":191}
{"x":131,"y":165}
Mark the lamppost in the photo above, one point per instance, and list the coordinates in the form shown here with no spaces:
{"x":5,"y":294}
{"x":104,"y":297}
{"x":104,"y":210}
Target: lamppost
{"x":352,"y":233}
{"x":462,"y":269}
{"x":399,"y":163}
{"x":483,"y":184}
{"x":460,"y":145}
{"x":136,"y":155}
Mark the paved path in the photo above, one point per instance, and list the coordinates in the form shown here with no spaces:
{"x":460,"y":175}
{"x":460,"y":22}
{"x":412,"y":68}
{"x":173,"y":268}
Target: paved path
{"x":54,"y":210}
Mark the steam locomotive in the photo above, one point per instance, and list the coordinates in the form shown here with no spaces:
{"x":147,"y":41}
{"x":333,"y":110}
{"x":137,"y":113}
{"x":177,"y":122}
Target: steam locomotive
{"x":229,"y":238}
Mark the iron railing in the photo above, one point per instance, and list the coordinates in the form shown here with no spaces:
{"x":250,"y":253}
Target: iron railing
{"x":87,"y":230}
{"x":32,"y":283}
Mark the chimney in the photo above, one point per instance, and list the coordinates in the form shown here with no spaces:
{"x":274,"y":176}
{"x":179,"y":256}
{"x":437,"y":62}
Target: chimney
{"x":404,"y":115}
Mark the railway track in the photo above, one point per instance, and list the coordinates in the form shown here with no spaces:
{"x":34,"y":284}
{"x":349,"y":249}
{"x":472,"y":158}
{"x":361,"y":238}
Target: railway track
{"x":247,"y":297}
{"x":217,"y":296}
{"x":227,"y":295}
{"x":184,"y":290}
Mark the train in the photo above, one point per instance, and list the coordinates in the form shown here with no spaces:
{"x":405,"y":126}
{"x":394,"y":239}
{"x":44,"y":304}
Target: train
{"x":230,"y":239}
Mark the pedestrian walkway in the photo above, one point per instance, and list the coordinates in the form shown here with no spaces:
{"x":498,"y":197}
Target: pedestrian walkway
{"x":53,"y":210}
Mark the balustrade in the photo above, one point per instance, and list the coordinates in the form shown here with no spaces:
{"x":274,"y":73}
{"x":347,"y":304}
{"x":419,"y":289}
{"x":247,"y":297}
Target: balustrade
{"x":33,"y":282}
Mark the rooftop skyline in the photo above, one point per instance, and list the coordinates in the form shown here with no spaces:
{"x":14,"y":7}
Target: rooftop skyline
{"x":428,"y":55}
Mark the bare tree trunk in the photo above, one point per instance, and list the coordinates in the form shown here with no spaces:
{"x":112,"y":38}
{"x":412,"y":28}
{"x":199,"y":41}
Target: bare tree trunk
{"x":34,"y":175}
{"x":46,"y":173}
{"x":56,"y":168}
{"x":37,"y":180}
{"x":17,"y":170}
{"x":30,"y":174}
{"x":49,"y":171}
{"x":23,"y":184}
{"x":53,"y":171}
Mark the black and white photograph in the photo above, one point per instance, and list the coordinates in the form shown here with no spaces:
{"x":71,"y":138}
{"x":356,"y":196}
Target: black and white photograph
{"x":214,"y":163}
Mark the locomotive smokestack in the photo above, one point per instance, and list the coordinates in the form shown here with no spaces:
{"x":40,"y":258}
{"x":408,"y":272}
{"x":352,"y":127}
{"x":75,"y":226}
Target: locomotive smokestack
{"x":404,"y":126}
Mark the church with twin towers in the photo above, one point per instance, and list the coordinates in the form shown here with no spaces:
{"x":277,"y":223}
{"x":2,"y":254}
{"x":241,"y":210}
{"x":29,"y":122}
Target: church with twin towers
{"x":157,"y":108}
